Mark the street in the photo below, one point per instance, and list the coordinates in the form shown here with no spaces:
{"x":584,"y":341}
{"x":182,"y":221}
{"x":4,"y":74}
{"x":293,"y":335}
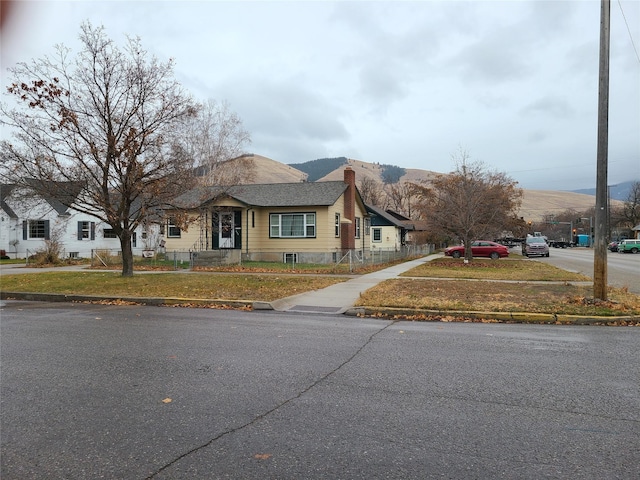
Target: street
{"x":133,"y":392}
{"x":623,"y":269}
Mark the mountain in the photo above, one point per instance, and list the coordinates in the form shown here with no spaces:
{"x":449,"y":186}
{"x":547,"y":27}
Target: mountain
{"x":272,"y":171}
{"x":535,"y":204}
{"x":620,"y":191}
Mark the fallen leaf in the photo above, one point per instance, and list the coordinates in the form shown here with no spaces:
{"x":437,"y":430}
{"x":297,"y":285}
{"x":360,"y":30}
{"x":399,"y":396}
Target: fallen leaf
{"x":167,"y":400}
{"x":262,"y":456}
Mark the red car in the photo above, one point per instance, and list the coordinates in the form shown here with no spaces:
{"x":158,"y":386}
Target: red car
{"x":479,"y":248}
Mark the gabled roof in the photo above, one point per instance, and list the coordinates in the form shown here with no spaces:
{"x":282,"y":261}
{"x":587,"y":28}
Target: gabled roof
{"x":5,"y":191}
{"x":301,"y":194}
{"x":392,"y":218}
{"x":57,"y":194}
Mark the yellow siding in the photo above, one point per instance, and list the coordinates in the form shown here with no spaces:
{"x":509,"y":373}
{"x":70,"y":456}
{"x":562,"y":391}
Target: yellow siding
{"x":188,"y":238}
{"x":255,"y":229}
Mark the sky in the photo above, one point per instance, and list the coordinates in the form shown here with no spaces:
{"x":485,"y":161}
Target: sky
{"x":514,"y":84}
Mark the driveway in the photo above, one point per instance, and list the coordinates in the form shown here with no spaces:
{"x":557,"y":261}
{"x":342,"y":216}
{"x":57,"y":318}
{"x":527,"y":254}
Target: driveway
{"x":130,"y":392}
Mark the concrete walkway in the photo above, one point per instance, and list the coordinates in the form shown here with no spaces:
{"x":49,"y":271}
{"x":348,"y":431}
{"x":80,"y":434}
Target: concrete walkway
{"x":341,"y":297}
{"x":336,"y":299}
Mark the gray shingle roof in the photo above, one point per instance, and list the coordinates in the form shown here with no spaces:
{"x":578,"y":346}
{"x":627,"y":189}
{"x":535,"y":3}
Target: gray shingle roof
{"x":60,"y":195}
{"x":5,"y":191}
{"x":391,"y":217}
{"x":301,"y":194}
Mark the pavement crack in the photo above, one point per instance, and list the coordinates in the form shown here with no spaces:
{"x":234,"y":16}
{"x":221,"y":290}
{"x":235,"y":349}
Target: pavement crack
{"x":274,"y":409}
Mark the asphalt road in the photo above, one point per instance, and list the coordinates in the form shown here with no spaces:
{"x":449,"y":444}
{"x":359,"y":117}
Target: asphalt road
{"x":623,"y":269}
{"x":131,"y":392}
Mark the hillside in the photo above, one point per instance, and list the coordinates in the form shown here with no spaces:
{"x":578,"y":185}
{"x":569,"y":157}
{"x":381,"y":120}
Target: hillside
{"x":271,"y":171}
{"x":620,"y":191}
{"x":535,"y":204}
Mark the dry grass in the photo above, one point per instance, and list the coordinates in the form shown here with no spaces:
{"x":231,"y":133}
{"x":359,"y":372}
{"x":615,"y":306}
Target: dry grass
{"x":469,"y":295}
{"x":486,"y":269}
{"x":168,"y":285}
{"x":506,"y":285}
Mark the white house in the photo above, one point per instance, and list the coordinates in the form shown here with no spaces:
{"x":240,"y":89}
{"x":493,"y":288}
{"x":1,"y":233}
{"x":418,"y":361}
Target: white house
{"x":28,"y":220}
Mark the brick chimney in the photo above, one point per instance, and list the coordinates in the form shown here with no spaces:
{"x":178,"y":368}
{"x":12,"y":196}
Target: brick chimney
{"x":347,"y":229}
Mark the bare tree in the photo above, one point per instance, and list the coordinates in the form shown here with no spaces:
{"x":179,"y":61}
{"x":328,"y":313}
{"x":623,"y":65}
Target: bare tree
{"x":400,"y":197}
{"x":106,"y":118}
{"x":371,"y":191}
{"x":470,"y":203}
{"x":215,"y":139}
{"x":631,"y":208}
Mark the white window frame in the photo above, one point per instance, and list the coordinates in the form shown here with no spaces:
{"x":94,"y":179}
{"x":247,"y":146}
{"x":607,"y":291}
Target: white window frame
{"x":172,"y":230}
{"x":357,"y":229}
{"x":32,"y":227}
{"x":374,"y":231}
{"x":86,"y":230}
{"x":308,"y":225}
{"x":337,"y":225}
{"x":289,"y":257}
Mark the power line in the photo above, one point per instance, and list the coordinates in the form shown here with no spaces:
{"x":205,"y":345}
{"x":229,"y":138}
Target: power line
{"x":629,"y":31}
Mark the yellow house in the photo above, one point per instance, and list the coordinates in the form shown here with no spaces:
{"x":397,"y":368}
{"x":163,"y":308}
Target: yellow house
{"x":307,"y":222}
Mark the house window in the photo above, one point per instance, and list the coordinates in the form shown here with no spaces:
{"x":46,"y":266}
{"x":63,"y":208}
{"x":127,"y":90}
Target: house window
{"x":377,"y":234}
{"x":292,"y":225}
{"x":86,"y":230}
{"x":367,"y":226}
{"x":290,"y":258}
{"x":357,"y":227}
{"x":109,"y":233}
{"x":337,"y":225}
{"x":172,"y":230}
{"x":35,"y":229}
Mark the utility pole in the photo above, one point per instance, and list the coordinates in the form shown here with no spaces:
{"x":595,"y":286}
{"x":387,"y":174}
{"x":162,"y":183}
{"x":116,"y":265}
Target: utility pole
{"x":600,"y":246}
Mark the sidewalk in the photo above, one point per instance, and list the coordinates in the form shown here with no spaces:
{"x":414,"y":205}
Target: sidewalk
{"x":338,"y":298}
{"x":21,"y":268}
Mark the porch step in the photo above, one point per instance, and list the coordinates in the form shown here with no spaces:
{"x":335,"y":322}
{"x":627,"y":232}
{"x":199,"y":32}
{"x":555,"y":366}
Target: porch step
{"x":213,"y":258}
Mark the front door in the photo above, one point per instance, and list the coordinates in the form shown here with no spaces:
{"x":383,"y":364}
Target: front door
{"x":226,"y":230}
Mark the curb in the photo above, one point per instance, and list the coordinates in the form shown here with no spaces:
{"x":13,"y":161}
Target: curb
{"x":493,"y":317}
{"x":153,"y":301}
{"x":409,"y":314}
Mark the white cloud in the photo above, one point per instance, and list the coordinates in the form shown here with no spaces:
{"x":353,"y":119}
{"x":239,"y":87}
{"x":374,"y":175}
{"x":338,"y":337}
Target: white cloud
{"x":403,"y":83}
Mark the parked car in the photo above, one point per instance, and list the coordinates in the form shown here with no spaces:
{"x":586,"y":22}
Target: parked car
{"x":613,"y":247}
{"x":535,"y":246}
{"x":629,"y":246}
{"x":479,"y":248}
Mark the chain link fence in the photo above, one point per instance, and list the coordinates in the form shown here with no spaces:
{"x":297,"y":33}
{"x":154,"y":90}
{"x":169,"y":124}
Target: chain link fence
{"x":187,"y":259}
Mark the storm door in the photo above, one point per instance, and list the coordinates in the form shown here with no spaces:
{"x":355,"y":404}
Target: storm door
{"x":225,"y":229}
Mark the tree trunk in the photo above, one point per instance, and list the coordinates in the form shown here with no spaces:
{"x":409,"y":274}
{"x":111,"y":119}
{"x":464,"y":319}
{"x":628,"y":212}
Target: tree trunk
{"x":468,"y":254}
{"x":127,"y":253}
